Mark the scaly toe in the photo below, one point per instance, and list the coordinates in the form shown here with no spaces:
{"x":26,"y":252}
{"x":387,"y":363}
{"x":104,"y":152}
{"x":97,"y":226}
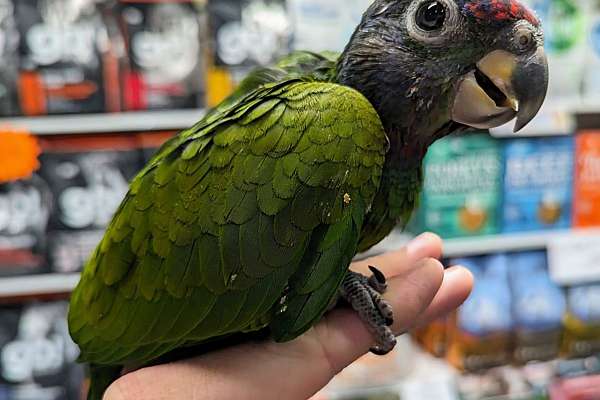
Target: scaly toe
{"x":386,"y":341}
{"x":375,"y":312}
{"x":377,"y":280}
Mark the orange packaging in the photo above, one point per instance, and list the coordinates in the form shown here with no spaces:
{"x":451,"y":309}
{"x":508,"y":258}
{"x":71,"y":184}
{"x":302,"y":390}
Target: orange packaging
{"x":19,"y":153}
{"x":586,"y":208}
{"x":433,"y":337}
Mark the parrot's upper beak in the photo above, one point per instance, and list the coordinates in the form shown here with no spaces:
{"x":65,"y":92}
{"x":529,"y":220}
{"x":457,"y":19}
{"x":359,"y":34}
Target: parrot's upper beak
{"x":503,"y":86}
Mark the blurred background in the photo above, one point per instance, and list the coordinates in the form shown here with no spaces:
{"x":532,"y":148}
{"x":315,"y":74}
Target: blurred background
{"x":90,"y":89}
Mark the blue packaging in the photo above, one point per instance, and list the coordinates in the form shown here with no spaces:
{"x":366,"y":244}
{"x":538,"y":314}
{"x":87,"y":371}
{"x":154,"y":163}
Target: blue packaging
{"x":487,"y":310}
{"x":538,"y":180}
{"x":538,"y":307}
{"x":582,"y":321}
{"x":482,"y":333}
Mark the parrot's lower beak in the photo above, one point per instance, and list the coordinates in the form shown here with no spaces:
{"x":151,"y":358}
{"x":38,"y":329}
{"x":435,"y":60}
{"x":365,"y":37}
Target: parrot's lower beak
{"x":502,"y":86}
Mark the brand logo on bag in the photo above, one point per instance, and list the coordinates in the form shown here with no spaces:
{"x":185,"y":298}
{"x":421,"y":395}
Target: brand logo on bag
{"x":49,"y":44}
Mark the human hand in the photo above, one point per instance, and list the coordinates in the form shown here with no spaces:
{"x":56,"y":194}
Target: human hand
{"x":419,"y":290}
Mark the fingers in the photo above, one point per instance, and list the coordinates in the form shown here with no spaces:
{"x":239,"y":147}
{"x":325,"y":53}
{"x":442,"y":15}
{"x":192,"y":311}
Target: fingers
{"x":426,"y":245}
{"x":456,"y":287}
{"x":419,"y":296}
{"x":344,"y":338}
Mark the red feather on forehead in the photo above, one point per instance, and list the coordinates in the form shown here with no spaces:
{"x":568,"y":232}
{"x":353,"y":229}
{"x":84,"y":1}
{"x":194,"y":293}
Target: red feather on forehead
{"x":500,"y":11}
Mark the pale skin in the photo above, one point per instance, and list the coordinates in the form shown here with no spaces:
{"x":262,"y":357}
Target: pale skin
{"x":419,"y":290}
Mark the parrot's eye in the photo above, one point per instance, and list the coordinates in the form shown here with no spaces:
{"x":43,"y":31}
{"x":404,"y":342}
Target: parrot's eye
{"x":431,"y":16}
{"x":433,"y":22}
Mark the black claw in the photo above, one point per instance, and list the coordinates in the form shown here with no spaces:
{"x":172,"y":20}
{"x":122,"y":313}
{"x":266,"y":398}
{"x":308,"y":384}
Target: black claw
{"x":378,"y":275}
{"x":379,"y":351}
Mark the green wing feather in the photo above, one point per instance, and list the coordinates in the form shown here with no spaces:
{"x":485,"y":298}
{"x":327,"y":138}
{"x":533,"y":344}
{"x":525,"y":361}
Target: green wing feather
{"x":239,"y":223}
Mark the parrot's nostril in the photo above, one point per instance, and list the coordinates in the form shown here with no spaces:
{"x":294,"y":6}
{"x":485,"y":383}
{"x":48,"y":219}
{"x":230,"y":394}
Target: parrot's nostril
{"x":491,"y":89}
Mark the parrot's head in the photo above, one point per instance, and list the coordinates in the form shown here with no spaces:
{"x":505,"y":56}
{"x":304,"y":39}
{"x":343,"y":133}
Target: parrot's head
{"x":433,"y":66}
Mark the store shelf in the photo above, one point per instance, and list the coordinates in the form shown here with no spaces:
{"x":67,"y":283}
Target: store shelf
{"x":555,"y":118}
{"x":37,"y":285}
{"x":484,"y":244}
{"x":101,"y":123}
{"x":64,"y":283}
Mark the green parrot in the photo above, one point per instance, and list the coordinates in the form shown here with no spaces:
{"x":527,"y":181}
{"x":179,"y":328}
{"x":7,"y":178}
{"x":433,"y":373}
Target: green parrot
{"x":248,"y":221}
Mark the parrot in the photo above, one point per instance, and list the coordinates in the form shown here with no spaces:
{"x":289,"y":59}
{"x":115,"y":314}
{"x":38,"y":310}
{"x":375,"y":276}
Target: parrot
{"x":248,"y":221}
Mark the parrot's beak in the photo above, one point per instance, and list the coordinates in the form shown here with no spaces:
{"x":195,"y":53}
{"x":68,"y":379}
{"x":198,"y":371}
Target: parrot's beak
{"x":502,"y":86}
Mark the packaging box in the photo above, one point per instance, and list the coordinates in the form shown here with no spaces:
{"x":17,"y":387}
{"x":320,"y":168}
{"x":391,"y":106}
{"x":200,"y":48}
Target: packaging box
{"x":462,"y":188}
{"x":24,"y":211}
{"x":582,"y":321}
{"x":325,"y":25}
{"x":565,"y":27}
{"x":591,"y":80}
{"x":538,"y":307}
{"x":66,"y":63}
{"x":166,"y":41}
{"x":244,"y":34}
{"x":249,"y":32}
{"x":538,"y":184}
{"x":37,"y":356}
{"x":89,"y":177}
{"x":481,"y":335}
{"x":586,"y":209}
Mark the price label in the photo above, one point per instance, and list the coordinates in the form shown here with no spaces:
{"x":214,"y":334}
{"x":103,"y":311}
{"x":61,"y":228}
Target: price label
{"x":574,"y":258}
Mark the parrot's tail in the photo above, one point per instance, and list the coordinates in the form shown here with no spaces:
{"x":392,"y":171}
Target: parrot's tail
{"x":101,"y":376}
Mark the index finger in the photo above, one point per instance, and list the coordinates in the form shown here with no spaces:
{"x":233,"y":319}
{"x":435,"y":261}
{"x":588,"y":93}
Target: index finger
{"x":426,"y":245}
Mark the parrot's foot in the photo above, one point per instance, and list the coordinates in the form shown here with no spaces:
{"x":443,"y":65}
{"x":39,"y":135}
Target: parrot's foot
{"x":365,"y":296}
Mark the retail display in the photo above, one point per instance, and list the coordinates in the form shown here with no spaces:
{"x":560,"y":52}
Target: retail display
{"x":24,"y":211}
{"x":65,"y":62}
{"x":462,"y":188}
{"x":480,"y":336}
{"x":37,"y":356}
{"x":166,"y":45}
{"x":587,"y":180}
{"x":520,"y":336}
{"x":538,"y":184}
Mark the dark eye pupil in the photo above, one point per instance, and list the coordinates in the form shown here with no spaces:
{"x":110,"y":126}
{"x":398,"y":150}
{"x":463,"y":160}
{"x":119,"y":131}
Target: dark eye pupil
{"x":431,"y":16}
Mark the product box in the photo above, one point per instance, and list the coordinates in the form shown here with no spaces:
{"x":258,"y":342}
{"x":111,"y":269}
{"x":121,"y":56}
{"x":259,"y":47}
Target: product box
{"x":244,"y":34}
{"x":89,"y":177}
{"x":249,"y":32}
{"x":538,"y":184}
{"x":591,"y":82}
{"x":66,"y":65}
{"x":565,"y":27}
{"x":586,"y":208}
{"x":538,"y":307}
{"x":462,"y":187}
{"x":24,"y":210}
{"x":37,"y":356}
{"x":9,"y":53}
{"x":481,"y":335}
{"x":166,"y":42}
{"x":582,"y":321}
{"x":434,"y":336}
{"x":325,"y":25}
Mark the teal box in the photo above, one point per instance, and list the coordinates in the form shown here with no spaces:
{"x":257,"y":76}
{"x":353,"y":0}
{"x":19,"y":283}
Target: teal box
{"x":538,"y":181}
{"x":462,"y":187}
